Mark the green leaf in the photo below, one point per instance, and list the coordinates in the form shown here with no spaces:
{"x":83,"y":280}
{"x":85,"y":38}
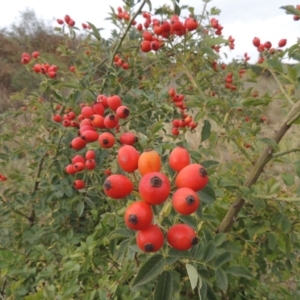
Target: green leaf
{"x":210,"y":293}
{"x":292,"y":73}
{"x":164,"y":286}
{"x":223,"y":259}
{"x":221,"y":279}
{"x":193,"y":275}
{"x":239,"y":271}
{"x":297,"y":168}
{"x":206,"y":130}
{"x":209,"y":41}
{"x":287,"y":178}
{"x":209,"y":252}
{"x":219,"y":239}
{"x":202,"y":289}
{"x":80,"y":209}
{"x":181,"y":254}
{"x":291,"y":10}
{"x":95,"y":32}
{"x":157,"y":127}
{"x":269,"y":142}
{"x":271,"y":240}
{"x":209,"y":163}
{"x":151,"y":269}
{"x":119,"y":233}
{"x":275,"y":64}
{"x":248,"y":102}
{"x":199,"y":116}
{"x":207,"y":195}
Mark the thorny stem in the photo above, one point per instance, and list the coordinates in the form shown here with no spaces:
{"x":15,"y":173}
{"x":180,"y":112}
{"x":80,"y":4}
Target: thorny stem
{"x":31,"y":216}
{"x":111,"y":62}
{"x":6,"y":202}
{"x":281,"y":87}
{"x":285,"y":152}
{"x":274,"y":197}
{"x":258,"y":168}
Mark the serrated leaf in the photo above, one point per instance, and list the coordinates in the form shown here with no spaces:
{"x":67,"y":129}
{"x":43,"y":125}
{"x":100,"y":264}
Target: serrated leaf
{"x":209,"y":163}
{"x":95,"y":32}
{"x":210,"y":294}
{"x":209,"y":41}
{"x":287,"y":178}
{"x":271,"y":240}
{"x":90,"y":202}
{"x":157,"y":127}
{"x":206,"y":130}
{"x":291,"y":10}
{"x":219,"y":239}
{"x":119,"y":233}
{"x":202,"y":289}
{"x":221,"y":279}
{"x":199,"y":116}
{"x":210,"y":251}
{"x":207,"y":195}
{"x":269,"y":142}
{"x":247,"y":102}
{"x":152,"y":268}
{"x":164,"y":286}
{"x":179,"y":254}
{"x":193,"y":275}
{"x":239,"y":271}
{"x":275,"y":64}
{"x":80,"y":209}
{"x":292,"y":73}
{"x":223,"y":258}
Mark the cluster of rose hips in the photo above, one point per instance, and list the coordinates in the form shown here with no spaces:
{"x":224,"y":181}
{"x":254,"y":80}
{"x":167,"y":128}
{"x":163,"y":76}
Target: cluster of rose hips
{"x":163,"y":29}
{"x":186,"y":121}
{"x":228,"y":82}
{"x":246,"y":57}
{"x":231,"y":42}
{"x":124,"y":15}
{"x":101,"y":115}
{"x":266,"y":47}
{"x":155,"y":188}
{"x":79,"y":164}
{"x":50,"y":70}
{"x":69,"y":21}
{"x":216,"y":25}
{"x":118,"y":61}
{"x":169,"y":27}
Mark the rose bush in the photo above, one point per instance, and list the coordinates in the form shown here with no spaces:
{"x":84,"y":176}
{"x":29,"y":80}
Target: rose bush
{"x":136,"y":129}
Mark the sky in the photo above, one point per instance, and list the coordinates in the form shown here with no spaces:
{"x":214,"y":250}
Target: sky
{"x":242,"y":19}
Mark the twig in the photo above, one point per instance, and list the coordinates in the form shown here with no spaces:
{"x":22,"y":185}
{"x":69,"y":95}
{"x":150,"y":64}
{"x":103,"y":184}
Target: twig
{"x":274,"y":197}
{"x":13,"y":209}
{"x":281,"y":87}
{"x":31,"y":216}
{"x":278,"y":154}
{"x":111,"y":62}
{"x":257,"y":169}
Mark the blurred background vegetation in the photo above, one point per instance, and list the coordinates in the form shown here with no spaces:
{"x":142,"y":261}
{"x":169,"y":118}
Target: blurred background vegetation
{"x":27,"y":34}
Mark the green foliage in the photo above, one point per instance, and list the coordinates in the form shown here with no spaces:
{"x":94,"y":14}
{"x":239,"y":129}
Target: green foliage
{"x":61,"y":243}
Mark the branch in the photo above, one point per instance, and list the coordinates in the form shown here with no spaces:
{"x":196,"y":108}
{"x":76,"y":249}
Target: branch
{"x":278,"y":154}
{"x":281,"y":87}
{"x":111,"y":62}
{"x":31,"y":216}
{"x":274,"y":197}
{"x":257,"y":169}
{"x":13,"y":209}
